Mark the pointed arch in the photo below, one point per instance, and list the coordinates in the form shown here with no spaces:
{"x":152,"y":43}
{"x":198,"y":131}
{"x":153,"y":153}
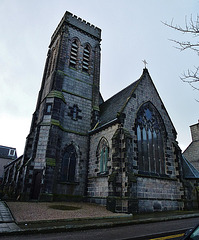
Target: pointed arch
{"x":53,"y":58}
{"x":68,"y":165}
{"x":103,"y":154}
{"x":151,"y":137}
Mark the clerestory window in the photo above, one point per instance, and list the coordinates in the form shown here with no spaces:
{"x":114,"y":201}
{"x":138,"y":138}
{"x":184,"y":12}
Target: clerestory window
{"x":86,"y":59}
{"x":150,"y":140}
{"x":74,"y":54}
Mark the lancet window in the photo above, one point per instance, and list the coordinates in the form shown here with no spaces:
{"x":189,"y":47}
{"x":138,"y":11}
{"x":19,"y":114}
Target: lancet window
{"x":74,"y":54}
{"x":86,"y":59}
{"x":69,"y":164}
{"x":52,"y":59}
{"x":102,"y":155}
{"x":150,"y":140}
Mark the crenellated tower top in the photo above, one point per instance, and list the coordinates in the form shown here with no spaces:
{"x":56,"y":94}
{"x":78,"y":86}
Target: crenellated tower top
{"x":78,"y":23}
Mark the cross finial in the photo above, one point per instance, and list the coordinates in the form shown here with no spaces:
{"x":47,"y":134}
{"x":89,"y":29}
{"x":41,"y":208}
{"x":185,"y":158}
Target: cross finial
{"x":145,"y":62}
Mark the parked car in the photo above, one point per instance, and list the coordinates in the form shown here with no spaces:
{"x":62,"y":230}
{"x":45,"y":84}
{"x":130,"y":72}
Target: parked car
{"x":192,"y":234}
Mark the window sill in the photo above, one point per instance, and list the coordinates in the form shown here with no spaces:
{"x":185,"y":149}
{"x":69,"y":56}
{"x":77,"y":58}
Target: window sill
{"x":103,"y":174}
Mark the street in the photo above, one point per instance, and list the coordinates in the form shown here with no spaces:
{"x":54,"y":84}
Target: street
{"x":171,"y":237}
{"x":153,"y":231}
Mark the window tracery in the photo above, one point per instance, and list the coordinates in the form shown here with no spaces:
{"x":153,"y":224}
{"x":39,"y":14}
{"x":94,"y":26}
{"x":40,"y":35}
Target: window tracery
{"x":150,"y":140}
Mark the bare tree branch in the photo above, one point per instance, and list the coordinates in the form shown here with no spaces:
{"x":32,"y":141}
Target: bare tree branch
{"x":191,"y":27}
{"x":191,"y":77}
{"x":186,"y":45}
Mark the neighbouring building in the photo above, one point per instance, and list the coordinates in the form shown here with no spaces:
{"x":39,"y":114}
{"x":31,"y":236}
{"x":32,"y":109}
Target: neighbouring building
{"x":192,"y":151}
{"x":7,"y":155}
{"x":11,"y":181}
{"x":121,"y":152}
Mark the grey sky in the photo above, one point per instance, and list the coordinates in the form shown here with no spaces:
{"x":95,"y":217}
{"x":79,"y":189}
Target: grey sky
{"x":131,"y":32}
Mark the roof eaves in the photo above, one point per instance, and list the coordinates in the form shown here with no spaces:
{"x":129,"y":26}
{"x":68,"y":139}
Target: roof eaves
{"x":103,"y":126}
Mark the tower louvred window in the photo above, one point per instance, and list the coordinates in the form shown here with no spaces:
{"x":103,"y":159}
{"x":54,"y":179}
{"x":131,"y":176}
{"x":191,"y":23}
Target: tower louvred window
{"x":86,"y":59}
{"x":73,"y":54}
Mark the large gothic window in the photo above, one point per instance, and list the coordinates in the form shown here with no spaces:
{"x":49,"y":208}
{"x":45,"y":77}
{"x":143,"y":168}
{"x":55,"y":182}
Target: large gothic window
{"x":68,"y":164}
{"x":102,"y":155}
{"x":150,"y":140}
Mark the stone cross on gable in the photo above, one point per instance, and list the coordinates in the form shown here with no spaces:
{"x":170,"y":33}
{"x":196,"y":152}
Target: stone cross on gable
{"x":145,"y":62}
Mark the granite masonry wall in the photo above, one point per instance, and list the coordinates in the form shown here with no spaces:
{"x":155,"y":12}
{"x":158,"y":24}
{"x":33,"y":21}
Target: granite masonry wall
{"x":98,"y":183}
{"x":158,"y":194}
{"x":64,"y":110}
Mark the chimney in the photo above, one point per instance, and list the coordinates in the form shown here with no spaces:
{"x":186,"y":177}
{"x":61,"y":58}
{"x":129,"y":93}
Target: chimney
{"x":195,"y":132}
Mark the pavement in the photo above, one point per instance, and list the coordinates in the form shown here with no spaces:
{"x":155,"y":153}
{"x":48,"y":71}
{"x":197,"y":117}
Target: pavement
{"x":8,"y":225}
{"x":7,"y":222}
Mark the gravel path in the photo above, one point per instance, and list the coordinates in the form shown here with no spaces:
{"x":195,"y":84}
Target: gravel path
{"x":34,"y":211}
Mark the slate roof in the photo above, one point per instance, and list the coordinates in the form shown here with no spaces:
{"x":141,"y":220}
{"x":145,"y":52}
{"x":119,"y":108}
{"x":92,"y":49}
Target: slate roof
{"x":190,"y":172}
{"x":110,"y":109}
{"x":8,"y":152}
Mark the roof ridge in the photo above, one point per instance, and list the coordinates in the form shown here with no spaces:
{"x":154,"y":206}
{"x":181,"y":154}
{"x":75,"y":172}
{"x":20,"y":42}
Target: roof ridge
{"x":113,"y":107}
{"x":118,"y":93}
{"x":145,"y":70}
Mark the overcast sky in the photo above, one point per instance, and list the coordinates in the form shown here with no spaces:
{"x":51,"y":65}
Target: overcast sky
{"x":132,"y":31}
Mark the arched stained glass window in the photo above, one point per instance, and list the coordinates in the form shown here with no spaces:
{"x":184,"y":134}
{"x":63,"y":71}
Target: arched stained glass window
{"x":102,"y":155}
{"x":150,"y":140}
{"x":68,"y":164}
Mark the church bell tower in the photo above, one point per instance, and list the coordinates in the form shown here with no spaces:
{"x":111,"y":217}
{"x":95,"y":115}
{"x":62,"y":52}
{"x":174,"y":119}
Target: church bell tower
{"x":56,"y":151}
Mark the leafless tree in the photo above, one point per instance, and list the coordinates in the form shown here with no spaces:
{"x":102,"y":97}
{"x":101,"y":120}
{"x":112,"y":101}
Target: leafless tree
{"x":191,"y":28}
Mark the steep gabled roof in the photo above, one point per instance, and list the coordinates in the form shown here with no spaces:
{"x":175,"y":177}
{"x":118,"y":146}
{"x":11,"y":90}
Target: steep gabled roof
{"x":190,"y":172}
{"x":111,"y":109}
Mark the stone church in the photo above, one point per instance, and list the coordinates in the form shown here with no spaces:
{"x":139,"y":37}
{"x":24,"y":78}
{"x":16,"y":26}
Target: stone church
{"x":121,"y":152}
